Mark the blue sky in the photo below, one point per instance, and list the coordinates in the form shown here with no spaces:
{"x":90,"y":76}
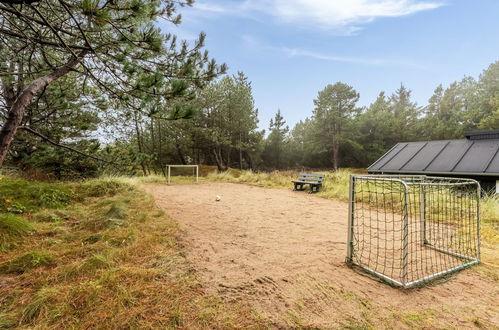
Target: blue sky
{"x":291,"y":49}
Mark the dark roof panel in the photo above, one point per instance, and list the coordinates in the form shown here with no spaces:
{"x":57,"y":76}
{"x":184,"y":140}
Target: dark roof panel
{"x":494,"y":164}
{"x":478,"y":156}
{"x":425,"y":156}
{"x":450,"y":156}
{"x":467,"y":156}
{"x":404,"y":156}
{"x":386,"y":157}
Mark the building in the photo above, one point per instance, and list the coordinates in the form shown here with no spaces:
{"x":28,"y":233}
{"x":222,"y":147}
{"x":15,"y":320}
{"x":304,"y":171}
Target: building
{"x":475,"y":157}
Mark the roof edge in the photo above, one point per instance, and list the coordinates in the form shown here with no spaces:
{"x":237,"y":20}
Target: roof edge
{"x":436,"y":173}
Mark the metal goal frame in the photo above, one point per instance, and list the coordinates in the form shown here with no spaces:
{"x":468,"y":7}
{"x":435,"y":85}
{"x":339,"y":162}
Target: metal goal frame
{"x":168,"y":172}
{"x":409,"y":230}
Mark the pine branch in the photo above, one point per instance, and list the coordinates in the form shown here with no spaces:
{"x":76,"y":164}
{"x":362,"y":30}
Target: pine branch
{"x":52,"y":142}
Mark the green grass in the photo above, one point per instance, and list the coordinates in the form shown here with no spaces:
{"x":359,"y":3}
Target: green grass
{"x":105,"y":256}
{"x":13,"y":224}
{"x":26,"y":262}
{"x":21,"y":196}
{"x":12,"y":229}
{"x":39,"y":305}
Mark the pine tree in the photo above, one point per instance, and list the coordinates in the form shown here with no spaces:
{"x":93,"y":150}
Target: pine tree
{"x":333,"y":115}
{"x":114,"y":46}
{"x":276,"y":141}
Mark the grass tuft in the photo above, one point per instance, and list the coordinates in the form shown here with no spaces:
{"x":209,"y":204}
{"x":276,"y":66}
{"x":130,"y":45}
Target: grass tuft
{"x":7,"y":321}
{"x":39,"y":305}
{"x":102,"y":187}
{"x":12,"y":228}
{"x":26,"y":262}
{"x":97,"y":261}
{"x":118,"y":210}
{"x":12,"y":224}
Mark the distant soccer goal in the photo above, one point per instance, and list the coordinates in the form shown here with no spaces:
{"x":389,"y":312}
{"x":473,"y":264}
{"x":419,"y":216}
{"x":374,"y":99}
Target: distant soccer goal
{"x":411,"y":230}
{"x":195,"y":171}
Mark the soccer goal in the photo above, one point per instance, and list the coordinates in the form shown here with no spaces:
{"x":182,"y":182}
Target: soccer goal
{"x":195,"y":171}
{"x":409,"y":230}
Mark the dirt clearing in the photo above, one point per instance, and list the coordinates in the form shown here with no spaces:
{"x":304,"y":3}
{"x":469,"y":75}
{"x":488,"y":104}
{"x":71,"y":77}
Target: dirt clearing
{"x":284,"y":252}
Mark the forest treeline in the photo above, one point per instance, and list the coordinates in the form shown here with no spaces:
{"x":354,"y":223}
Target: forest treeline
{"x":223,"y":129}
{"x":90,"y":87}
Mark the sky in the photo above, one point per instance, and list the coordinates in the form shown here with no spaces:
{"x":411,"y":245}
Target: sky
{"x":291,"y":49}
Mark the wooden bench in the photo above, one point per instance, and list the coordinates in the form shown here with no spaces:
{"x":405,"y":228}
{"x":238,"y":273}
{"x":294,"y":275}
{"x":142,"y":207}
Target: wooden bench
{"x":313,"y":180}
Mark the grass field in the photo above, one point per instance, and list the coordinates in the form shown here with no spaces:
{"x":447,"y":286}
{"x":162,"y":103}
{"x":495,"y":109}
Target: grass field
{"x":98,"y":253}
{"x":78,"y":255}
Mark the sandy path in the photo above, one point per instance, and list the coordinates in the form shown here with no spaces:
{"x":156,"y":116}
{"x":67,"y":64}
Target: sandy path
{"x":284,"y":252}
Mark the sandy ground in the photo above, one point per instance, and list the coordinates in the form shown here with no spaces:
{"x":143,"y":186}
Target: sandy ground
{"x":284,"y":252}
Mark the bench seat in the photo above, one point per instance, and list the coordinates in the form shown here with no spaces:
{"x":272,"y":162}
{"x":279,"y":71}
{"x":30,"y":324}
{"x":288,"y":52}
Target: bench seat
{"x":313,"y":180}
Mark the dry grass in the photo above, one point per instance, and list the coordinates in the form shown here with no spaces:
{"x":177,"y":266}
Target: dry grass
{"x":99,"y":253}
{"x":107,"y":257}
{"x":335,"y":185}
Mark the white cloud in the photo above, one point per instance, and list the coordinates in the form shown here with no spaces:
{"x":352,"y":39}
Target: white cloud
{"x":344,"y":15}
{"x":341,"y":16}
{"x":254,"y":44}
{"x":296,"y":52}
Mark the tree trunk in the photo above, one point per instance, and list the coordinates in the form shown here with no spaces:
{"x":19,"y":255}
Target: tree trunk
{"x":160,"y":147}
{"x":139,"y":144}
{"x":218,"y":159}
{"x":248,"y":159}
{"x":229,"y":151}
{"x":180,"y":154}
{"x":240,"y":158}
{"x":18,"y":108}
{"x":153,"y":143}
{"x":335,"y":156}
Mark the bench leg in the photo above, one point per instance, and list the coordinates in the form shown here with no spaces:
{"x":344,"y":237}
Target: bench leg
{"x":314,"y":189}
{"x":298,"y":187}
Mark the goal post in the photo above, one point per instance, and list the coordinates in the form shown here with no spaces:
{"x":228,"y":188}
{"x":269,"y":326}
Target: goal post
{"x":194,"y":167}
{"x":408,"y":230}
